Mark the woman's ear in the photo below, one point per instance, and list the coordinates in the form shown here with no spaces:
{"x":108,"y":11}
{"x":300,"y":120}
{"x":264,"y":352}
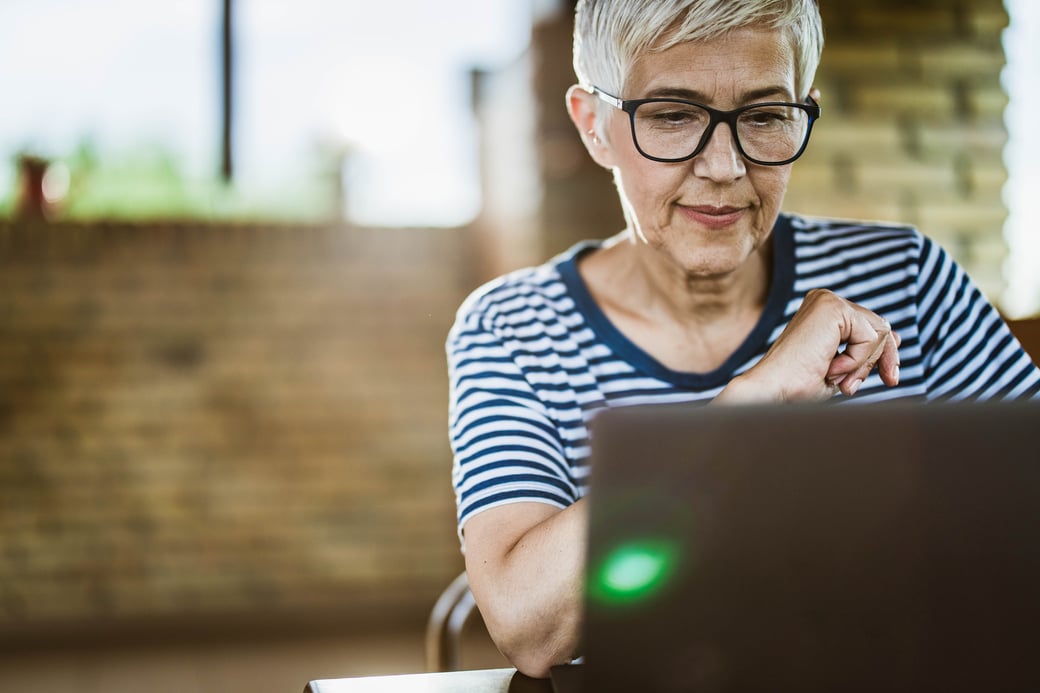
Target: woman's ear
{"x":814,"y":94}
{"x":581,"y":105}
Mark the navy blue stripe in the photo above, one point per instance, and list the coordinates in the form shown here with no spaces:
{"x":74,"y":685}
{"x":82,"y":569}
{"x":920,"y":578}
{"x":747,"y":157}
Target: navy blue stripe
{"x":846,"y":235}
{"x":940,"y":271}
{"x":969,"y":383}
{"x":544,"y":469}
{"x":550,"y":434}
{"x":864,"y":297}
{"x":970,"y":335}
{"x":844,"y":263}
{"x":551,"y":441}
{"x":516,"y":478}
{"x":525,"y":494}
{"x":463,"y":393}
{"x":467,"y":459}
{"x":1001,"y":370}
{"x":481,"y":361}
{"x":928,"y":316}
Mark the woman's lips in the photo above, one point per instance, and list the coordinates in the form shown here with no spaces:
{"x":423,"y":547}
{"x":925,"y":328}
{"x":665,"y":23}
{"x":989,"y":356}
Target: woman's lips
{"x":713,"y":217}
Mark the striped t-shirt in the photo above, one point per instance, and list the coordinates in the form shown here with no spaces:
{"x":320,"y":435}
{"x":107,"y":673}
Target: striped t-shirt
{"x":532,"y":357}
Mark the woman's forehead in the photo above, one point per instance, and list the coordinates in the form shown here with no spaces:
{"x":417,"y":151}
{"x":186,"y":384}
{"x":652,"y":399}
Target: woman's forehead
{"x":743,"y":63}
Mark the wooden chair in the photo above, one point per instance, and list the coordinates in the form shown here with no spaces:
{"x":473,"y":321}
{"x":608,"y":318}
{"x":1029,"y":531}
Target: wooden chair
{"x":452,"y":610}
{"x":1027,"y":331}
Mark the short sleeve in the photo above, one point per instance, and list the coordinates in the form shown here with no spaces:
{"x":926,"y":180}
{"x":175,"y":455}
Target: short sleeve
{"x":968,"y":350}
{"x":506,"y":446}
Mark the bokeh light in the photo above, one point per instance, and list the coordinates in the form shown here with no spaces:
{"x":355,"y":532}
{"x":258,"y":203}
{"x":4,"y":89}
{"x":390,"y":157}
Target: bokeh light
{"x":634,"y":571}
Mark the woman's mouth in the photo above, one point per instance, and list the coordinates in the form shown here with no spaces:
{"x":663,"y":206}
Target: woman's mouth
{"x":713,"y":217}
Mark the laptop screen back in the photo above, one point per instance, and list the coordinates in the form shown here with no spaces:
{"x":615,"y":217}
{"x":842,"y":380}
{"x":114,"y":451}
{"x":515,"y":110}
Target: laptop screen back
{"x":880,"y":547}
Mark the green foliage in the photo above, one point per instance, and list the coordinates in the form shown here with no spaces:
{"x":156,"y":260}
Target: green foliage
{"x":147,"y":182}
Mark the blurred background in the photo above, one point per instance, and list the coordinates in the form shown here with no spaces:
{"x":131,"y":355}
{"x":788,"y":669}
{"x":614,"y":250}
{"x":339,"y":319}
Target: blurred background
{"x":233,"y":235}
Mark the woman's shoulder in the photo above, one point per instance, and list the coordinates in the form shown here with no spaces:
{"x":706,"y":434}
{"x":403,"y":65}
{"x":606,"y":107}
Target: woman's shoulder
{"x":810,"y":229}
{"x":852,"y":242}
{"x":512,"y":295}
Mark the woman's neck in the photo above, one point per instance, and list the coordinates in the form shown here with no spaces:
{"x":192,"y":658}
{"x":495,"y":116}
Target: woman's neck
{"x":687,"y":322}
{"x":637,"y":277}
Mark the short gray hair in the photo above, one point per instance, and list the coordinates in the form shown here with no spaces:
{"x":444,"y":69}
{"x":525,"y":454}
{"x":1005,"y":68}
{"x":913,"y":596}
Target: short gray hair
{"x":610,"y":35}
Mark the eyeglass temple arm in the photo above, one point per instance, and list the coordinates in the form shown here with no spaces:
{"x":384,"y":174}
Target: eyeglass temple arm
{"x":612,"y":100}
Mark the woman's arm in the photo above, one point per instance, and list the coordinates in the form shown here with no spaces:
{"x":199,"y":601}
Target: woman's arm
{"x":526,"y":565}
{"x":526,"y":560}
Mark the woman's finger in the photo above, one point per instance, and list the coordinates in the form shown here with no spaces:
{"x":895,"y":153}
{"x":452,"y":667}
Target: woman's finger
{"x":870,"y":343}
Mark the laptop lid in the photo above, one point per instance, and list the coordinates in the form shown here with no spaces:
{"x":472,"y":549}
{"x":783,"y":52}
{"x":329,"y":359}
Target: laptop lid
{"x":814,"y":547}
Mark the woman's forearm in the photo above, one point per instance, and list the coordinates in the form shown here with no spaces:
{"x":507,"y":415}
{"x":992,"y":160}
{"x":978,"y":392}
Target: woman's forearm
{"x":530,"y":589}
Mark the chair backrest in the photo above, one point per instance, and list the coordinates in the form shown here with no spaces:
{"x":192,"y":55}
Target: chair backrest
{"x":449,"y":616}
{"x":1027,"y":331}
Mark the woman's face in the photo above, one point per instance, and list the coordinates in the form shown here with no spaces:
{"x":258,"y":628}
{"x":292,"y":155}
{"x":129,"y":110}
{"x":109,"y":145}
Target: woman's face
{"x":709,"y":214}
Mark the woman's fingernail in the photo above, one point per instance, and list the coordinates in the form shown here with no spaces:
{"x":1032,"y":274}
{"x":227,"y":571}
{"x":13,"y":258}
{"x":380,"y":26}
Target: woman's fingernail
{"x":854,"y":387}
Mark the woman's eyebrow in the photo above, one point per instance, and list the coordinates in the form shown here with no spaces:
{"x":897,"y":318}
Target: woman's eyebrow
{"x":771,"y":92}
{"x":767,"y":92}
{"x":675,"y":93}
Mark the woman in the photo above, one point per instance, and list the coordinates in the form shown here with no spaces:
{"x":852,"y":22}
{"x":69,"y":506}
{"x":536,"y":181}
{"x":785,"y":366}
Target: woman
{"x":699,"y":108}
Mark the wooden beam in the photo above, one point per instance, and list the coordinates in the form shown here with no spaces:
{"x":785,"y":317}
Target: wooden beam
{"x":226,"y":168}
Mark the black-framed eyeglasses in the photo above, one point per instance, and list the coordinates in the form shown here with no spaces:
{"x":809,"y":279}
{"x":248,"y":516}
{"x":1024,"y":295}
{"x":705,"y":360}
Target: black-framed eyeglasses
{"x":773,"y":133}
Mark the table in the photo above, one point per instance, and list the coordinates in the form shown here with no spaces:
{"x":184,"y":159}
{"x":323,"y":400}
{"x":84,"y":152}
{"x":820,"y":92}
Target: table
{"x":477,"y":681}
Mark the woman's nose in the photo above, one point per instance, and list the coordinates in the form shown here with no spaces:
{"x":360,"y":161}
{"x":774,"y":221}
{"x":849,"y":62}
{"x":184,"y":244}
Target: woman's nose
{"x":720,"y":160}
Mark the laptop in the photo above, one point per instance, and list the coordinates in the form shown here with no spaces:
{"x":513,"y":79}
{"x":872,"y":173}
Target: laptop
{"x":882,"y":547}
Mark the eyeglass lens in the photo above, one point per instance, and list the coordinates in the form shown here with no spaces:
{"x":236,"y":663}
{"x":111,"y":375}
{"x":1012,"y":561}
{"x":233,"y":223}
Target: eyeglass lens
{"x":672,"y":130}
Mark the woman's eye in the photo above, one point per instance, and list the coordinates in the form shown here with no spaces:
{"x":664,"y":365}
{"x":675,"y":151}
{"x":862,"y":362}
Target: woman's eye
{"x":674,"y":117}
{"x":765,"y":118}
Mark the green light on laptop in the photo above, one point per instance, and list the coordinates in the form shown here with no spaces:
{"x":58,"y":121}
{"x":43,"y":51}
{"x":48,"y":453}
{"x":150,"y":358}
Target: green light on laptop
{"x":634,"y":571}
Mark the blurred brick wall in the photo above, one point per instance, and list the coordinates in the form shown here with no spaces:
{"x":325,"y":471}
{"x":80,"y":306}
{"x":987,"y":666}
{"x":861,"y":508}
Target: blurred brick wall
{"x":912,"y":127}
{"x":580,"y":200}
{"x":223,"y":421}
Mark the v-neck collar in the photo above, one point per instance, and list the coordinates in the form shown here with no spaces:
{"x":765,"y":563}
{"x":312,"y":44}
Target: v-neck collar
{"x":780,"y":290}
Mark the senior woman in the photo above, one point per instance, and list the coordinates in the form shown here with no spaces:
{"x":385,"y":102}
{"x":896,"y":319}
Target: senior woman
{"x":710,"y":294}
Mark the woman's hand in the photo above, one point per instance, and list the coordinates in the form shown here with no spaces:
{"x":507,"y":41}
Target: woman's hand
{"x":805,"y":364}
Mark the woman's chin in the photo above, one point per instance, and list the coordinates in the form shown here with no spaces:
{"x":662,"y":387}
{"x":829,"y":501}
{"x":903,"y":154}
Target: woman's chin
{"x":711,"y":260}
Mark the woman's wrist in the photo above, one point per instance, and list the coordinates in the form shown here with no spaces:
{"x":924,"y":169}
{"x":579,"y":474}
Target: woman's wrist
{"x":745,"y":390}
